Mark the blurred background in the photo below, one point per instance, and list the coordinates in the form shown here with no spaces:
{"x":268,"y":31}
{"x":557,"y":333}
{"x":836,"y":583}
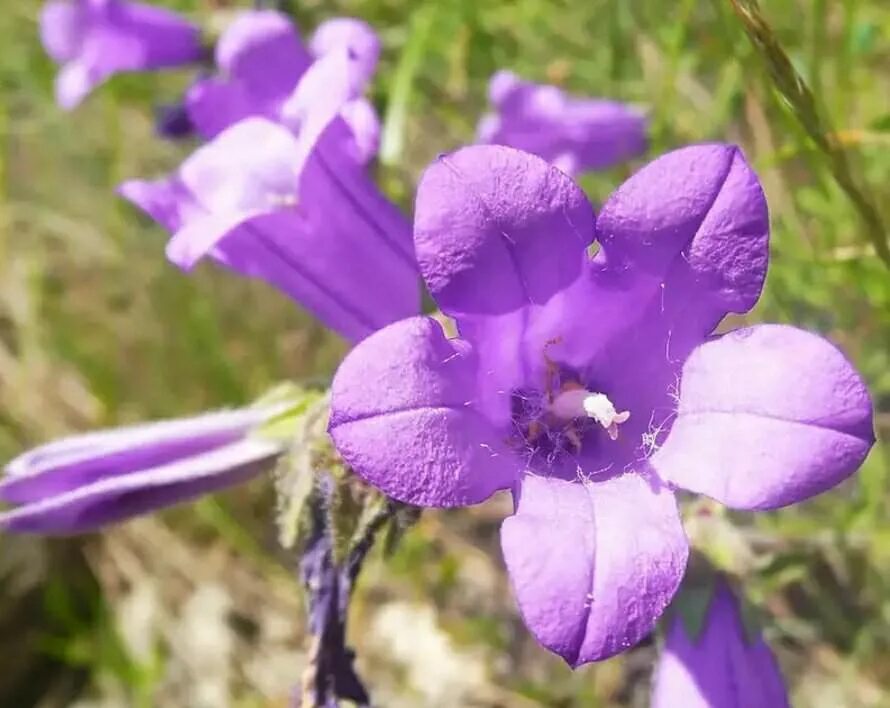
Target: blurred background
{"x":196,"y":607}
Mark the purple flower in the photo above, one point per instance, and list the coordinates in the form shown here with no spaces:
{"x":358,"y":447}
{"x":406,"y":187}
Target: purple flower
{"x":721,"y":668}
{"x":575,"y":134}
{"x":80,"y":483}
{"x":294,"y":210}
{"x":261,"y":60}
{"x":94,"y":39}
{"x":590,"y":387}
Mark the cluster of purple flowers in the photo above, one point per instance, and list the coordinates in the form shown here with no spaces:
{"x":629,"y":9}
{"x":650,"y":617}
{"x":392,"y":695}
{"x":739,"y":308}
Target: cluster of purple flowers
{"x":592,"y":387}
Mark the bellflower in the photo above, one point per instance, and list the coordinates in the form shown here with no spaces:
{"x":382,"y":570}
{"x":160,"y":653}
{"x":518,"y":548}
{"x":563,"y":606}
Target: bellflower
{"x":82,"y":482}
{"x":294,"y":210}
{"x":94,"y":39}
{"x":591,"y":387}
{"x":575,"y":134}
{"x":721,"y":668}
{"x":261,"y":59}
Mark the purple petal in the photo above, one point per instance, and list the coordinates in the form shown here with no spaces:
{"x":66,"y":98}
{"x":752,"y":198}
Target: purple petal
{"x":214,"y":104}
{"x":402,"y":416}
{"x":363,"y":137}
{"x":701,"y":210}
{"x":575,"y":134}
{"x":119,"y":497}
{"x":768,"y":416}
{"x":322,"y":92}
{"x":354,"y":35}
{"x":98,"y":39}
{"x":497,"y":230}
{"x":250,"y":169}
{"x":70,"y":463}
{"x":62,"y":29}
{"x":720,"y":668}
{"x":593,"y":565}
{"x":166,"y":201}
{"x":73,"y":84}
{"x":262,"y":50}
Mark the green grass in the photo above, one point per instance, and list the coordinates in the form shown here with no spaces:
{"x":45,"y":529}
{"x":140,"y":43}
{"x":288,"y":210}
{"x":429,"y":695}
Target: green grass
{"x":96,"y":328}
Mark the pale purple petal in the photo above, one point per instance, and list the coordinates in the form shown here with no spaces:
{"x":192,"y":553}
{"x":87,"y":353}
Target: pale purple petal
{"x":575,"y":134}
{"x":403,"y":417}
{"x":165,"y":200}
{"x":593,"y":564}
{"x":358,"y":37}
{"x":62,"y":28}
{"x":67,"y":464}
{"x":119,"y":497}
{"x":73,"y":83}
{"x":94,"y":40}
{"x":767,"y":416}
{"x":363,"y":138}
{"x":721,"y":668}
{"x":250,"y":169}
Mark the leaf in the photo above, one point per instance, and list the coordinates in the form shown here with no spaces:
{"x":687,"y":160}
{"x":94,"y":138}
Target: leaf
{"x":295,"y":473}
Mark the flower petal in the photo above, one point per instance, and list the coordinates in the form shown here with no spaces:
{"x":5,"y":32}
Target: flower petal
{"x":214,"y":104}
{"x":768,"y":416}
{"x":120,"y":497}
{"x":62,"y":26}
{"x":574,"y":133}
{"x":701,"y":210}
{"x":497,"y":230}
{"x":719,"y":668}
{"x":262,"y":50}
{"x":593,"y":565}
{"x":358,"y":37}
{"x":403,"y":417}
{"x":74,"y":82}
{"x":72,"y":462}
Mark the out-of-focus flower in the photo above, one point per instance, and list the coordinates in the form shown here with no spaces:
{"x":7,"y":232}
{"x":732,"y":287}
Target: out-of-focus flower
{"x":83,"y":482}
{"x":294,"y":210}
{"x":592,"y":387}
{"x":575,"y":134}
{"x":94,"y":39}
{"x":722,"y":667}
{"x":261,"y":60}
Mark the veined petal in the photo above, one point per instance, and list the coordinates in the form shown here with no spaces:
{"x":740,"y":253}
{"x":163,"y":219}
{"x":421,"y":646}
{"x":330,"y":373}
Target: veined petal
{"x":112,"y":499}
{"x":403,"y":417}
{"x":497,"y":230}
{"x":767,"y":416}
{"x":593,"y":565}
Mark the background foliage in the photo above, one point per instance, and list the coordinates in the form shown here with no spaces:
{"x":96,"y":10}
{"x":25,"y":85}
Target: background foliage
{"x":193,"y":608}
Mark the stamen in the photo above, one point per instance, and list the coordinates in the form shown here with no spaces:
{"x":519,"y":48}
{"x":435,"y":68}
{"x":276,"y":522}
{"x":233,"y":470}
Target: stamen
{"x":579,"y":403}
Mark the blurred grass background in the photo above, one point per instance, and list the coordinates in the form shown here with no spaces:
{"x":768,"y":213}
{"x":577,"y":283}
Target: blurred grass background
{"x":193,"y":608}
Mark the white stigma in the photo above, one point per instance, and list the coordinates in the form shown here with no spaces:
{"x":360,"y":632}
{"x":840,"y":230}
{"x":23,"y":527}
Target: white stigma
{"x":578,"y":403}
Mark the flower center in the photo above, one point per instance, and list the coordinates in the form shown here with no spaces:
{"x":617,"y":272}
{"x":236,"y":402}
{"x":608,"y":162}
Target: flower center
{"x":576,"y":402}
